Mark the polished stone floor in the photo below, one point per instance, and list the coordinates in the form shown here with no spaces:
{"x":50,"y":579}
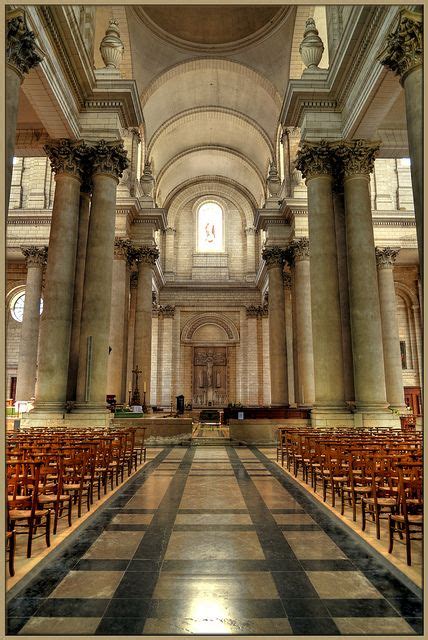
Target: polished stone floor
{"x":214,"y":540}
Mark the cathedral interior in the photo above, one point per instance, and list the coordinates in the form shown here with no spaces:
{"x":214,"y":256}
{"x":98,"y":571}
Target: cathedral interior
{"x":214,"y":279}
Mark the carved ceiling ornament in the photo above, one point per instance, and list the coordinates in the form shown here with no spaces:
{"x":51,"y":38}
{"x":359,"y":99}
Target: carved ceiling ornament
{"x":314,"y":159}
{"x":21,"y":49}
{"x":35,"y":256}
{"x":273,"y":256}
{"x":356,"y":156}
{"x":385,"y":258}
{"x":67,"y":156}
{"x":109,"y":157}
{"x":403,"y":51}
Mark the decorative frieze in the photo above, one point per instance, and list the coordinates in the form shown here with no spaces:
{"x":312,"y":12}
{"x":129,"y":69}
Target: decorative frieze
{"x":35,"y":256}
{"x":385,"y":258}
{"x":109,"y":157}
{"x":21,"y":50}
{"x":68,"y":156}
{"x":403,"y":51}
{"x":314,"y":159}
{"x":273,"y":256}
{"x":356,"y":156}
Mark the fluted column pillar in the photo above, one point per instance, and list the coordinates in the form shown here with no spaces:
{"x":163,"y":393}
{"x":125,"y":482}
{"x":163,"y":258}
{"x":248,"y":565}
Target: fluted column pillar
{"x":119,"y":313}
{"x":146,"y":258}
{"x":289,"y":336}
{"x":314,"y":161}
{"x":82,"y":239}
{"x":403,"y":55}
{"x":274,"y":257}
{"x":108,"y":160}
{"x":27,"y":360}
{"x":68,"y":162}
{"x":250,"y":232}
{"x":385,"y":259}
{"x":357,"y":159}
{"x":22,"y":54}
{"x":133,"y":283}
{"x":305,"y":349}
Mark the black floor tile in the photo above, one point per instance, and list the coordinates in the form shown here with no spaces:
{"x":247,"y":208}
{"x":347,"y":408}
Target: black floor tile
{"x":299,"y":527}
{"x":388,"y":585}
{"x":417,"y":624}
{"x":137,"y":584}
{"x":127,"y":527}
{"x":72,"y":607}
{"x":23,"y":607}
{"x":305,"y":607}
{"x":314,"y":627}
{"x":100,"y":565}
{"x":293,"y":584}
{"x":137,"y":564}
{"x":128,"y":607}
{"x":328,"y":565}
{"x":360,"y":607}
{"x":407,"y":607}
{"x":14,"y":625}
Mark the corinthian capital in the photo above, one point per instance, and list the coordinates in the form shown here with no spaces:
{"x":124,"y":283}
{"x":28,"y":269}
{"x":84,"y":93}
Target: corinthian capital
{"x":109,"y":157}
{"x":314,"y":159}
{"x":121,"y":248}
{"x":273,"y":256}
{"x":300,"y":249}
{"x":67,"y":156}
{"x":21,"y":50}
{"x":166,"y":311}
{"x":146,"y":255}
{"x":385,"y":258}
{"x":357,"y":156}
{"x":35,"y":256}
{"x":403,"y":51}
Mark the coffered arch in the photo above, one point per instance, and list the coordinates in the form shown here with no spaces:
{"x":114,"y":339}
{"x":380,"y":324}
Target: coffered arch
{"x":220,"y":320}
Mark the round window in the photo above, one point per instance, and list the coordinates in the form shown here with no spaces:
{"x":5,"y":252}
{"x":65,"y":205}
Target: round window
{"x":17,"y":307}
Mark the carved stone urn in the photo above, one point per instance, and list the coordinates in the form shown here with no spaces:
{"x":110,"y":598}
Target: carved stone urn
{"x":147,"y":180}
{"x":311,"y":48}
{"x":273,"y":180}
{"x":111,"y":46}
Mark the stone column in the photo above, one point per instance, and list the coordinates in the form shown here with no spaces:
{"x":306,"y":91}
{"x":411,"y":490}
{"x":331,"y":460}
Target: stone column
{"x":82,"y":239}
{"x":314,"y":161}
{"x":289,"y":336}
{"x":68,"y":163}
{"x":108,"y":161}
{"x":27,"y":359}
{"x":250,"y":232}
{"x":403,"y":55}
{"x":119,"y":313}
{"x":22,"y":54}
{"x":274,"y":257}
{"x":133,"y":283}
{"x":357,"y":158}
{"x":305,"y":349}
{"x":266,"y":361}
{"x":146,"y":259}
{"x":166,"y":317}
{"x":385,"y":259}
{"x":155,"y":358}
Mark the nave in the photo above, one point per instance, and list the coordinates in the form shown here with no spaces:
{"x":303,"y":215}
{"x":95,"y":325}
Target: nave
{"x":214,"y":540}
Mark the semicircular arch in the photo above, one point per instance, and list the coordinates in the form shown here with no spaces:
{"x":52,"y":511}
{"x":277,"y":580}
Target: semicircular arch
{"x":219,"y":320}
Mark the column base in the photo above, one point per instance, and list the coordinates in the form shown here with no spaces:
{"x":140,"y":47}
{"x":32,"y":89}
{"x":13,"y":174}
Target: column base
{"x":331,"y":417}
{"x":66,"y":420}
{"x":44,"y":408}
{"x":385,"y":418}
{"x":90,"y":407}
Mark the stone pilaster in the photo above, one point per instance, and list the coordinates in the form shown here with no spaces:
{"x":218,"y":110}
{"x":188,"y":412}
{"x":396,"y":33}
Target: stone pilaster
{"x":108,"y":161}
{"x":68,"y":161}
{"x":305,"y":351}
{"x":274,"y":258}
{"x":133,"y":284}
{"x":357,"y":159}
{"x":250,"y":233}
{"x":22,"y":55}
{"x":118,"y":330}
{"x":146,"y":257}
{"x":404,"y":55}
{"x":166,"y":317}
{"x":289,"y":335}
{"x":170,"y":259}
{"x":251,"y":356}
{"x":385,"y":259}
{"x":27,"y":361}
{"x":315,"y":162}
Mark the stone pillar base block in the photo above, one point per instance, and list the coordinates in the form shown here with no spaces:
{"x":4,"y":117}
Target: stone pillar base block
{"x":43,"y":408}
{"x":331,"y":419}
{"x":374,"y":407}
{"x":377,"y":419}
{"x":66,"y":420}
{"x":90,"y":408}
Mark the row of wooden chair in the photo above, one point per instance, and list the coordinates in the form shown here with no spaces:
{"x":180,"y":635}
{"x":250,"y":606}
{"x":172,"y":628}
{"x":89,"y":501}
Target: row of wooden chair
{"x":380,"y":472}
{"x":48,"y":472}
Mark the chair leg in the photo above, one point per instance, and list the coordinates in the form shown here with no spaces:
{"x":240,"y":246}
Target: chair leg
{"x":391,"y":528}
{"x":12,"y":542}
{"x":56,"y":516}
{"x":30,"y":536}
{"x":354,"y":507}
{"x":69,"y":513}
{"x":48,"y":528}
{"x":363,"y":513}
{"x":408,"y":550}
{"x":377,"y":520}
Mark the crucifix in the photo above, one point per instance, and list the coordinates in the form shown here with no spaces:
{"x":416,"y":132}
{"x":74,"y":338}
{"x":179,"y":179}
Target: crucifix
{"x":136,"y":394}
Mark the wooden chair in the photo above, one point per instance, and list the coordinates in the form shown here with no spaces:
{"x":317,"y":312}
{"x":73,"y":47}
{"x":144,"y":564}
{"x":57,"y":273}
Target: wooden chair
{"x":25,"y":514}
{"x":52,"y":494}
{"x":409,"y":519}
{"x":75,"y":483}
{"x":383,"y":498}
{"x":358,"y":484}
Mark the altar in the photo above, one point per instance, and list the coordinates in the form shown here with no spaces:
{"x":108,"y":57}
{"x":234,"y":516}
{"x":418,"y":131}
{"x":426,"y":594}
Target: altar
{"x":210,"y":388}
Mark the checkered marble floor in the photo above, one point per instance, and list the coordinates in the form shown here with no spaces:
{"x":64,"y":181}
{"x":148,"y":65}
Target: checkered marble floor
{"x":214,"y":540}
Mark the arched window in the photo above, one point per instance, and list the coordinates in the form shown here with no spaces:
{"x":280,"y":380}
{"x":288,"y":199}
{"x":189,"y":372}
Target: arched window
{"x":210,"y":228}
{"x":17,"y":306}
